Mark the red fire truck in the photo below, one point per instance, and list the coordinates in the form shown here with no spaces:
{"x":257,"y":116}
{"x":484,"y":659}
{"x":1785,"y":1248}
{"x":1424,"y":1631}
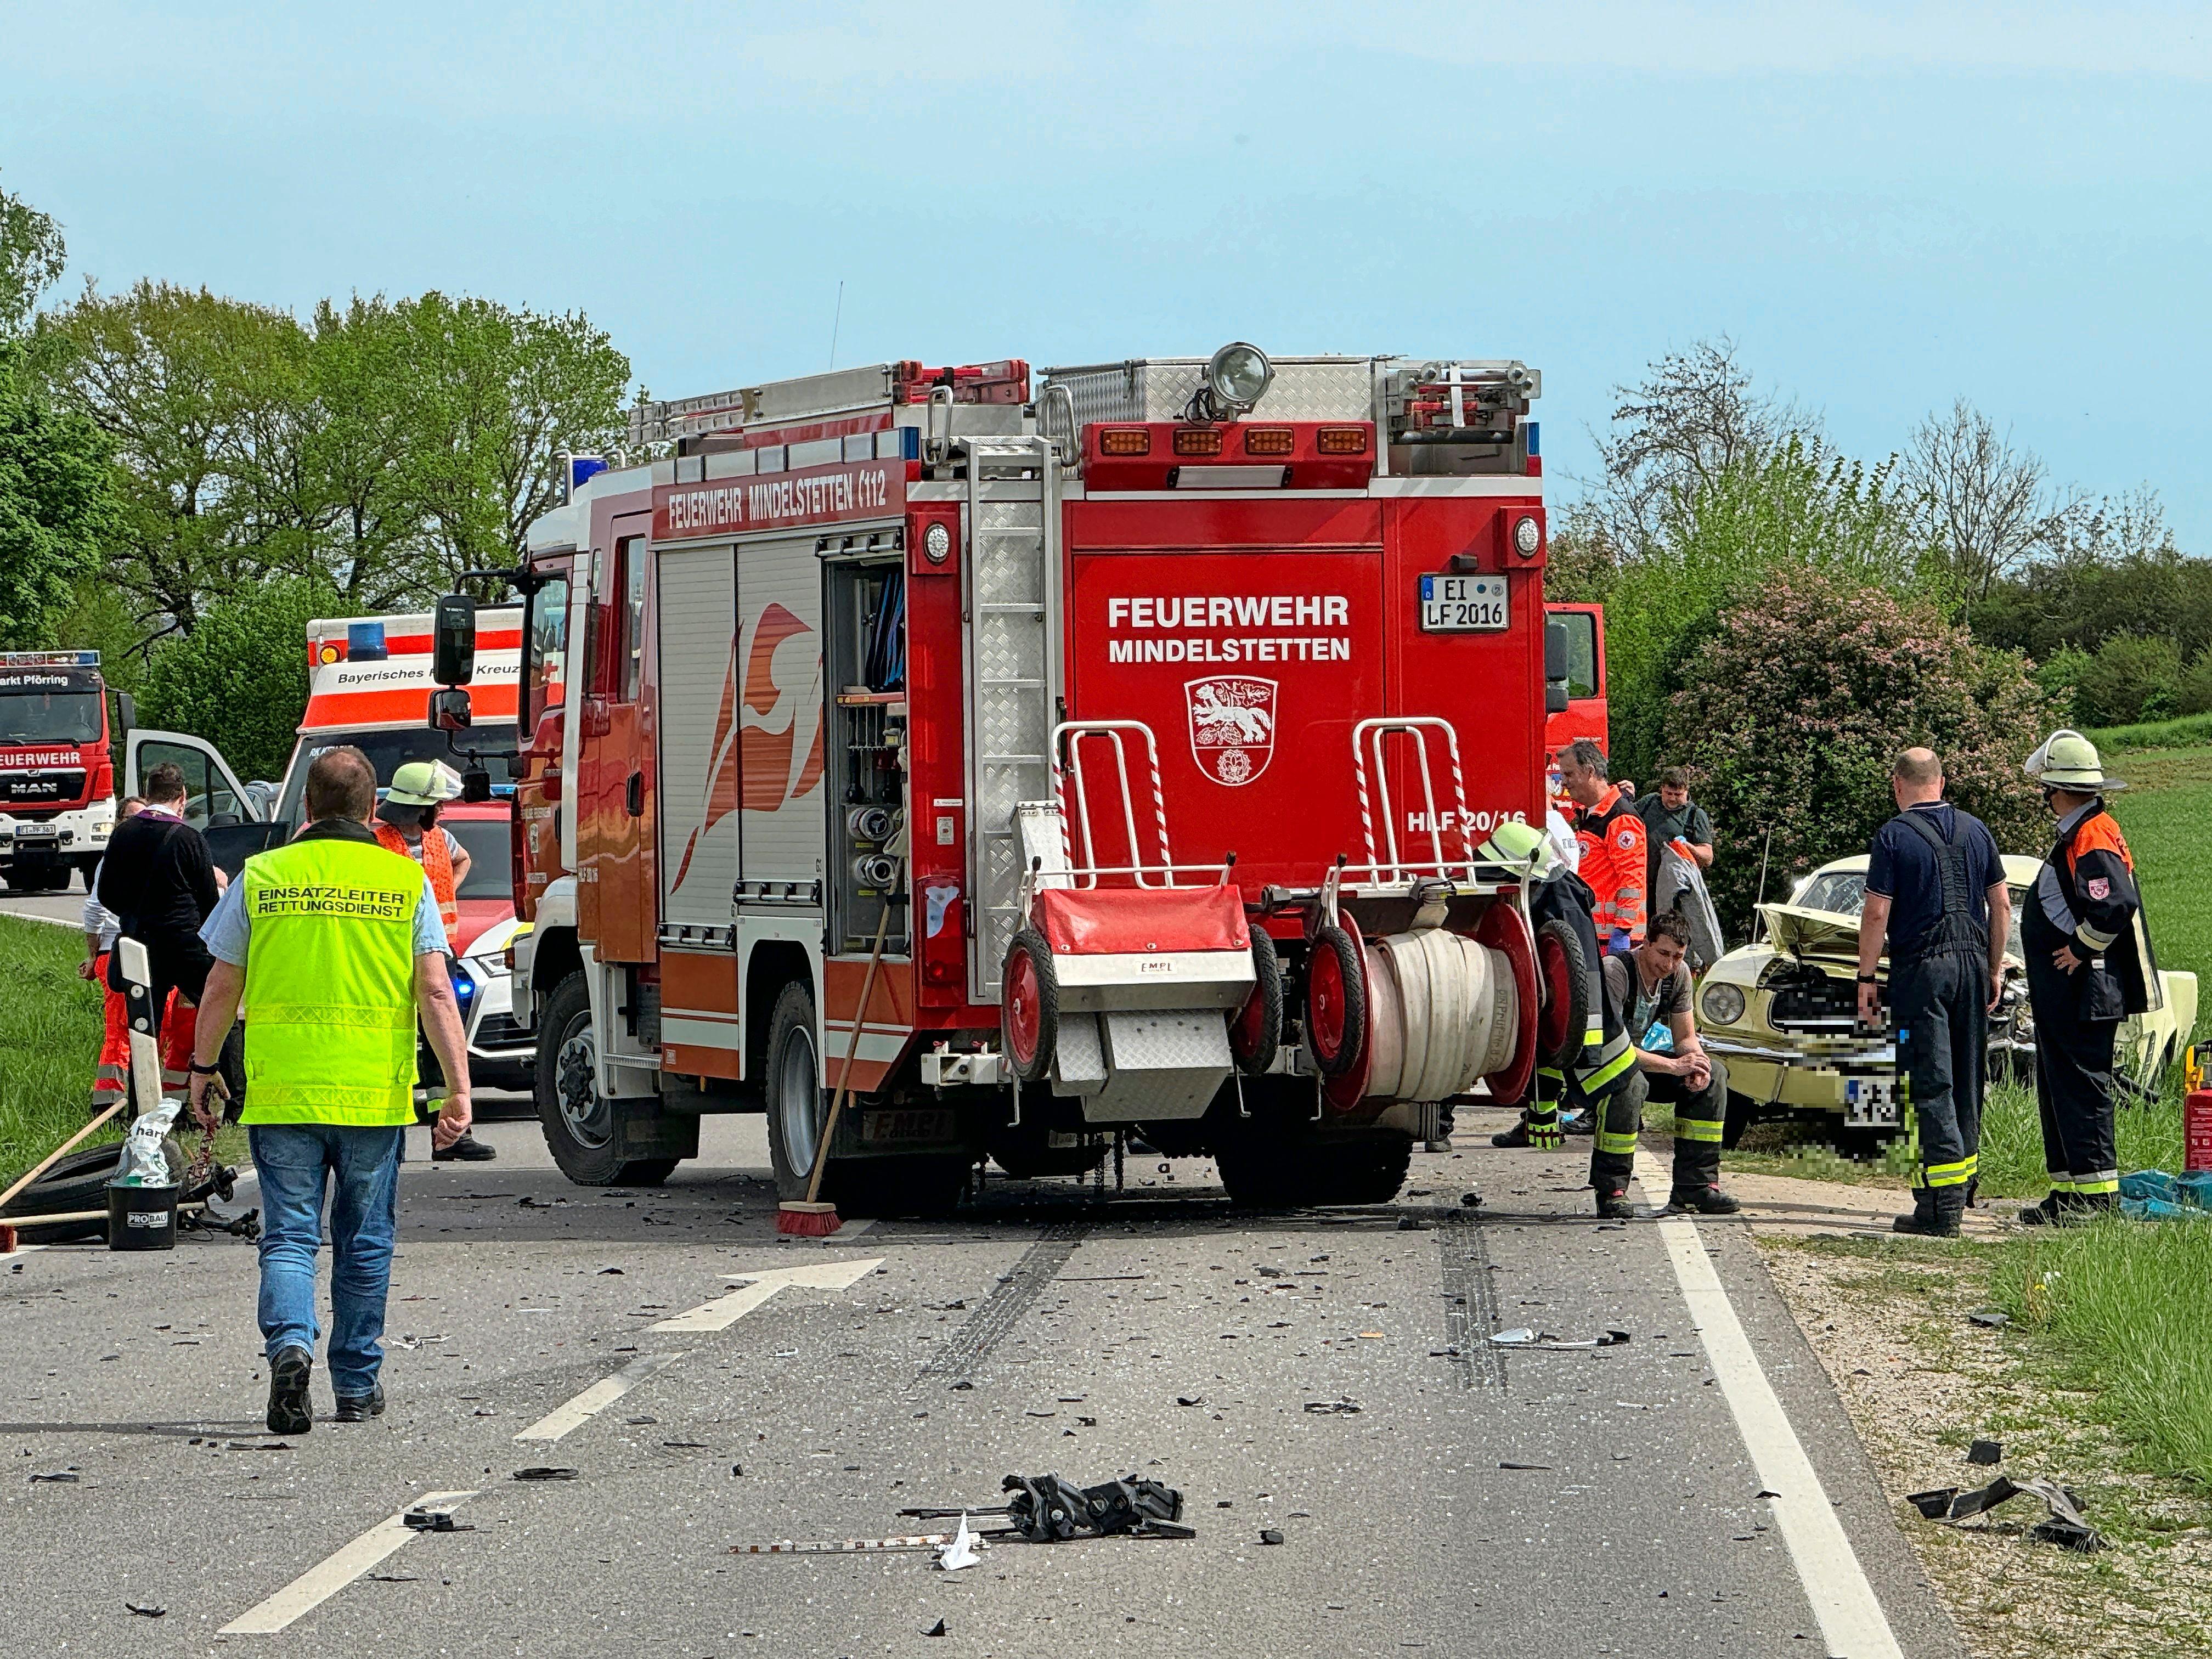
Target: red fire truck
{"x":1052,"y":767}
{"x":57,"y":770}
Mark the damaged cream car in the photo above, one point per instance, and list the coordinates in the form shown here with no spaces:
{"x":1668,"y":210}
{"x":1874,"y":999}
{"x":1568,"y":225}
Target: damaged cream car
{"x":1783,"y":1011}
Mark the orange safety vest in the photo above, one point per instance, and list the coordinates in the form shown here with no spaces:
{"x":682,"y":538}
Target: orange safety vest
{"x":1614,"y":844}
{"x":437,"y":864}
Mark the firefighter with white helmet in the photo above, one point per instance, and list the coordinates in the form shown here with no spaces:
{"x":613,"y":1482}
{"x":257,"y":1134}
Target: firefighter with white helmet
{"x":407,"y":823}
{"x":1605,"y":1078}
{"x":2089,"y":966}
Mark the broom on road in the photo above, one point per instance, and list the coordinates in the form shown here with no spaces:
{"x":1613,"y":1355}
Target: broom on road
{"x":809,"y":1218}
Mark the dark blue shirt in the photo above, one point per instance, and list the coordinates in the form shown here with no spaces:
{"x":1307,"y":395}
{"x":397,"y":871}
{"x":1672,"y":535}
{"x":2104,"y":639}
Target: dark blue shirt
{"x":1902,"y":868}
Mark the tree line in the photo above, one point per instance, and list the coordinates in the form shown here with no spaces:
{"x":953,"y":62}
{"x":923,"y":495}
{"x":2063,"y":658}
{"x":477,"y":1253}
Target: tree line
{"x":1781,"y":617}
{"x":180,"y":473}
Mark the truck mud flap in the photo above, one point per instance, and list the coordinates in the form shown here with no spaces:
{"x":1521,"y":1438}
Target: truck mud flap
{"x":643,"y":1129}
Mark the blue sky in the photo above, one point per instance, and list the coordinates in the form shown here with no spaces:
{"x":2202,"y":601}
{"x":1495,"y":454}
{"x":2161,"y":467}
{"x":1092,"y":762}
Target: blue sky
{"x":1886,"y":207}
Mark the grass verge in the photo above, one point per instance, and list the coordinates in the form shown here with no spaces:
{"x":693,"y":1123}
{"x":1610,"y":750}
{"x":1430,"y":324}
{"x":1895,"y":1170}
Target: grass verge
{"x":1889,"y":1320}
{"x":50,"y":1030}
{"x":2179,"y":733}
{"x":2126,"y":1309}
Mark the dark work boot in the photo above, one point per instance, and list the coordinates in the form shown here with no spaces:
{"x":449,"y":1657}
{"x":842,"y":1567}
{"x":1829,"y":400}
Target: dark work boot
{"x":1701,"y":1200}
{"x":467,"y":1150}
{"x":1612,"y":1205}
{"x":1927,"y":1217}
{"x":288,"y":1375}
{"x":2055,"y":1210}
{"x":359,"y":1407}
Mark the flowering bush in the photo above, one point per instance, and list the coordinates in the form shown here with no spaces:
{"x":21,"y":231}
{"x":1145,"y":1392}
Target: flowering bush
{"x":1798,"y":702}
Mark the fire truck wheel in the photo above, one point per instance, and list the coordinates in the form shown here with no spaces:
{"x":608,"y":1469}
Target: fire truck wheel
{"x":1336,"y":1000}
{"x":578,"y":1121}
{"x":1279,"y":1170}
{"x":1029,"y":1006}
{"x":797,"y":1107}
{"x":1256,"y":1030}
{"x":1563,"y":977}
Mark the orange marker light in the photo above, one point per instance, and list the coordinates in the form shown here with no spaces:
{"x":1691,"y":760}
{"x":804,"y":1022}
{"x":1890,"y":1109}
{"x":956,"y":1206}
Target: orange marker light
{"x":1269,"y":440}
{"x":1125,"y":441}
{"x":1198,"y":441}
{"x":1341,"y":441}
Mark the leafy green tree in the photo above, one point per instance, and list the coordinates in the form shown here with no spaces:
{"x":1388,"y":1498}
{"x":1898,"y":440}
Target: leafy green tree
{"x":239,"y":678}
{"x":57,"y":508}
{"x":2131,"y":677}
{"x":1796,"y":504}
{"x":32,"y":255}
{"x":205,"y":402}
{"x":500,"y":393}
{"x":1798,"y":702}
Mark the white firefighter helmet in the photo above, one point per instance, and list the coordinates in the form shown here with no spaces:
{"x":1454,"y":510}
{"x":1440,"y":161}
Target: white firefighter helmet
{"x":2069,"y":760}
{"x":1522,"y":844}
{"x":424,"y":783}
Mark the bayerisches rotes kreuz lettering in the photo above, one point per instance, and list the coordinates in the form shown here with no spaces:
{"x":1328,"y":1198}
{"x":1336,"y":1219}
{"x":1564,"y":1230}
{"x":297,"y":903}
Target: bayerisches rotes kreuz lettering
{"x":826,"y":495}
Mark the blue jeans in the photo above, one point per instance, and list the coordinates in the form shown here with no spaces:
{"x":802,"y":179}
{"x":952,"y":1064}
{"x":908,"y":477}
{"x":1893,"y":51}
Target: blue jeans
{"x":295,"y":1163}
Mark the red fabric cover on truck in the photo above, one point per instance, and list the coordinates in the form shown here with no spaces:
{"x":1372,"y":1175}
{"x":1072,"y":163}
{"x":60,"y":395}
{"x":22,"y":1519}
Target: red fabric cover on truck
{"x":1122,"y":921}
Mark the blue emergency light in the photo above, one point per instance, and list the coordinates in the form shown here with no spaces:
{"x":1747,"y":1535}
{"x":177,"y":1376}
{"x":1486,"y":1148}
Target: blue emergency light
{"x":581,"y":467}
{"x":1529,"y":427}
{"x":365,"y":641}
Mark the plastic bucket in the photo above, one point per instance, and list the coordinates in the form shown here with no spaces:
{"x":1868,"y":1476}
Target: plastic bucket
{"x":142,"y":1218}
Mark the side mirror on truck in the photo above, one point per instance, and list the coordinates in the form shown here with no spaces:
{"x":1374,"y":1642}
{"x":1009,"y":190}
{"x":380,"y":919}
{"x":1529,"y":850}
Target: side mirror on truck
{"x":454,"y":641}
{"x":449,"y":709}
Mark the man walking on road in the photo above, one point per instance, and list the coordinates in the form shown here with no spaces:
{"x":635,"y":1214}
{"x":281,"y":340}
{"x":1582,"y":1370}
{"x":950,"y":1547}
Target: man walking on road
{"x":1614,"y":845}
{"x":2089,"y":966}
{"x":1936,"y":890}
{"x":1651,"y":987}
{"x":333,"y":946}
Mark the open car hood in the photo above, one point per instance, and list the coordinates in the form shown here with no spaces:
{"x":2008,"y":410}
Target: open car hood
{"x":1812,"y":933}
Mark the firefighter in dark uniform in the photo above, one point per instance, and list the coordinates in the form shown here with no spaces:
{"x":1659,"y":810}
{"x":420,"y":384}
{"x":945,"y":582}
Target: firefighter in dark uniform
{"x":1605,"y":1077}
{"x":2089,"y":966}
{"x":1936,"y":897}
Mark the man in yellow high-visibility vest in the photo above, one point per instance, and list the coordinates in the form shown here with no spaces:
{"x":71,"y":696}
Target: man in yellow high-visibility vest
{"x":335,"y":947}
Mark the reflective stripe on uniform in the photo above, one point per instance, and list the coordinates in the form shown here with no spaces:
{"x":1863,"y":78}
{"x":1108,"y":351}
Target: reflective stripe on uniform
{"x":1609,"y":1142}
{"x":1949,"y":1175}
{"x":1697,"y":1128}
{"x":1610,"y":1069}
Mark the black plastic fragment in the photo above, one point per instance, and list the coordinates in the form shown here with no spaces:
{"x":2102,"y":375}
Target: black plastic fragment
{"x":1987,"y":1452}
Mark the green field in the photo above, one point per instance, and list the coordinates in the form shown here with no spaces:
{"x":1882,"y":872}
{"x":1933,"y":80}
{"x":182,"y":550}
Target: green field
{"x":49,"y":1028}
{"x":2167,"y":817}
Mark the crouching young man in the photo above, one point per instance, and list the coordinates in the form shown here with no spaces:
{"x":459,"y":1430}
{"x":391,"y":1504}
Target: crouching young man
{"x":1650,"y":985}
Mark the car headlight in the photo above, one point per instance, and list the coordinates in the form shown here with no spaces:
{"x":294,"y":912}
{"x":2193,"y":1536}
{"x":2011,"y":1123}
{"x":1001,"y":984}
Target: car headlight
{"x":1724,"y":1004}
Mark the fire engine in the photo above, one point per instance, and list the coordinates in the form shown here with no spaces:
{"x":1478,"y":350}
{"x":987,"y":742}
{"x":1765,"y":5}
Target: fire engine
{"x":57,"y":773}
{"x":965,"y":768}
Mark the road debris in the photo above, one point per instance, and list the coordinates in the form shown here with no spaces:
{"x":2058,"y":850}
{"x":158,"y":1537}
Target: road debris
{"x":1046,"y":1509}
{"x":2065,"y":1525}
{"x":1529,"y":1468}
{"x":961,"y":1551}
{"x":146,"y":1613}
{"x":259,"y":1445}
{"x":1521,"y":1336}
{"x":545,"y":1472}
{"x":1333,"y":1408}
{"x":55,"y":1477}
{"x":1269,"y":1536}
{"x":1990,"y":1318}
{"x":421,"y":1519}
{"x":1990,"y":1452}
{"x":937,"y":1629}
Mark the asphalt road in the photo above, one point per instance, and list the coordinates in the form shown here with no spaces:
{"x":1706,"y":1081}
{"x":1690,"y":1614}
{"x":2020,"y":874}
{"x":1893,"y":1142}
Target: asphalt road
{"x":1037,"y":1332}
{"x":66,"y":906}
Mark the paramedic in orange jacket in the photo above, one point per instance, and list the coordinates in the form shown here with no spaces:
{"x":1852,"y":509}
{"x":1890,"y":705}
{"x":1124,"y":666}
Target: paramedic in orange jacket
{"x":1615,"y":845}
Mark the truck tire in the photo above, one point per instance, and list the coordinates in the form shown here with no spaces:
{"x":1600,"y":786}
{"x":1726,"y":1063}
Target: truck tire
{"x":1336,"y":1000}
{"x":1274,"y":1160}
{"x":578,"y":1121}
{"x":1564,"y":979}
{"x":1255,"y":1030}
{"x":790,"y":1087}
{"x":1029,"y":1006}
